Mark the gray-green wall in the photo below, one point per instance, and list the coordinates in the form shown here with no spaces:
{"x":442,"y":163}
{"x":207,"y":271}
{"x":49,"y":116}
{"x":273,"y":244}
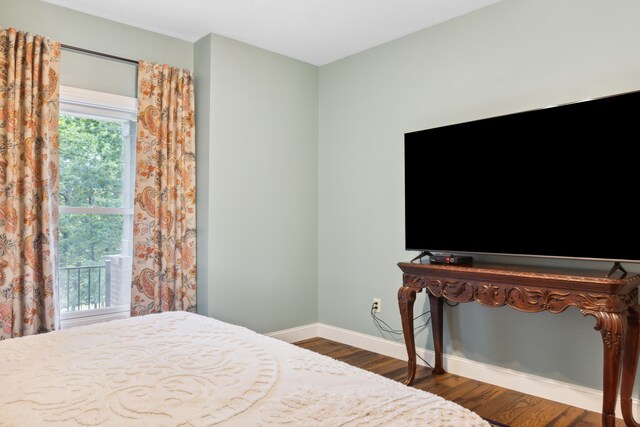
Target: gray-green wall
{"x":511,"y":56}
{"x":204,"y":125}
{"x":89,"y":32}
{"x":256,"y":149}
{"x":262,"y":188}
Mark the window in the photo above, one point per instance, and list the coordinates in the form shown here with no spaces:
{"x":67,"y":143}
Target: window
{"x":97,"y":166}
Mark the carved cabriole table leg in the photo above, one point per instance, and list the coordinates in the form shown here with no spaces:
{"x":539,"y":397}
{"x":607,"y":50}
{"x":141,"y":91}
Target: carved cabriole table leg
{"x":613,"y":328}
{"x":406,"y":298}
{"x":436,"y":324}
{"x":630,"y":364}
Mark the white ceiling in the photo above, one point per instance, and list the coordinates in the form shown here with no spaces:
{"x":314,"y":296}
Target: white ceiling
{"x":314,"y":31}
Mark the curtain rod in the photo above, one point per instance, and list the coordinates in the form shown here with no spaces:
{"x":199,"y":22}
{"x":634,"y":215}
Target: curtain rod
{"x":103,"y":55}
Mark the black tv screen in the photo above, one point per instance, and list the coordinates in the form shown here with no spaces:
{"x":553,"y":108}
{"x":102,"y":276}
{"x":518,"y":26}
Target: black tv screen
{"x":555,"y":182}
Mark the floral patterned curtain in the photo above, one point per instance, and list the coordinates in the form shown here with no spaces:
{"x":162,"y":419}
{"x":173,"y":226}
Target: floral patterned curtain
{"x":164,"y":234}
{"x":29,"y":105}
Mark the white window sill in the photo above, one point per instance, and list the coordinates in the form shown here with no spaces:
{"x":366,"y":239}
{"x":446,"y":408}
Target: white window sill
{"x":86,"y":317}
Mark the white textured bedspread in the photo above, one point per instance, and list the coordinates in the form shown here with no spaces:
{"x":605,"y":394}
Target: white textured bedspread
{"x":180,"y":369}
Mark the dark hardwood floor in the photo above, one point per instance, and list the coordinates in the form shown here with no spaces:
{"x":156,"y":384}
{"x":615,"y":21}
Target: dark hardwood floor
{"x":499,"y":404}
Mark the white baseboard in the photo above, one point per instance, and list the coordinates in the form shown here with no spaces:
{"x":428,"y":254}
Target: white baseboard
{"x":297,"y":334}
{"x":559,"y":391}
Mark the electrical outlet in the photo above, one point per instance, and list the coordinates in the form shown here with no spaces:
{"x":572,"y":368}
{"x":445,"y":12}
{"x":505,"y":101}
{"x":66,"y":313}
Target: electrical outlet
{"x":377,"y":305}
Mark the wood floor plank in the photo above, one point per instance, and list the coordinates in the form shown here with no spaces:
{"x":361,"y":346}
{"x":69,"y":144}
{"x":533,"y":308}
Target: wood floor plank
{"x":530,"y":411}
{"x":341,"y":353}
{"x":569,"y":417}
{"x":482,"y":394}
{"x":590,"y":419}
{"x":456,"y":392}
{"x":389,"y":365}
{"x":495,"y":408}
{"x":359,"y":358}
{"x":496,"y":403}
{"x":545,"y":412}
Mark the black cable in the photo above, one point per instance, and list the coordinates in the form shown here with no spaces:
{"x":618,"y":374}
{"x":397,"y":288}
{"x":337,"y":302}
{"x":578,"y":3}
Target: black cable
{"x":428,"y":364}
{"x":421,"y":255}
{"x":451,"y":304}
{"x":416,"y":318}
{"x":388,"y":329}
{"x":385,"y":327}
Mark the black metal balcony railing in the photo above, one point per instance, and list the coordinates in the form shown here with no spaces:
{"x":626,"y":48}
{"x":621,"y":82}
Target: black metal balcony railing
{"x":84,"y":288}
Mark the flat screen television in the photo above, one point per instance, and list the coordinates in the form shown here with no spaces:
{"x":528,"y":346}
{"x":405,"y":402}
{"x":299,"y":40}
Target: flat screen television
{"x":554,"y":182}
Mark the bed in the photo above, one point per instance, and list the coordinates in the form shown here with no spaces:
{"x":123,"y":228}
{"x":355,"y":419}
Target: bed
{"x":182,"y":369}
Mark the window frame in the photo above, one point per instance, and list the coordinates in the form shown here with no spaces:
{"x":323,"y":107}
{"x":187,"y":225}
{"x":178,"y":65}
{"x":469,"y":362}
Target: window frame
{"x":92,"y":104}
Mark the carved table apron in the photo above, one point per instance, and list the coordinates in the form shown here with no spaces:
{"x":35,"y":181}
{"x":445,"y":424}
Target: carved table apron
{"x":613,"y":303}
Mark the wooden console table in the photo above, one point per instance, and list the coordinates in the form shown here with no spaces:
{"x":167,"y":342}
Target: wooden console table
{"x":613,"y":303}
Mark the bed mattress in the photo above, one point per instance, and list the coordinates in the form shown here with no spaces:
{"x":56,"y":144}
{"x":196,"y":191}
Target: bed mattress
{"x":182,"y":369}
